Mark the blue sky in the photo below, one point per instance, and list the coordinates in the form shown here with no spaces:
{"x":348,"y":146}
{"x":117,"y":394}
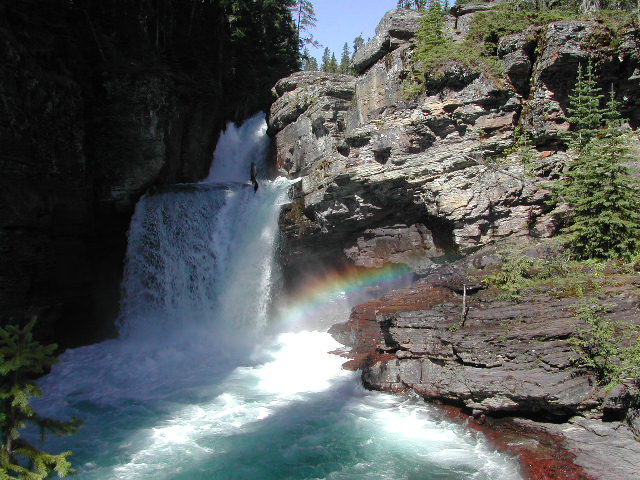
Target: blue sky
{"x":341,"y":21}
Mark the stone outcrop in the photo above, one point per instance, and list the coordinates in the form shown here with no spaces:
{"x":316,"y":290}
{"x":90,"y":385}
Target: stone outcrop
{"x":391,"y":178}
{"x":502,"y":357}
{"x":372,"y":157}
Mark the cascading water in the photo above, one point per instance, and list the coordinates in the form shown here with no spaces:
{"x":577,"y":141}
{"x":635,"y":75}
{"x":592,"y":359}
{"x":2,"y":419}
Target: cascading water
{"x":195,"y":387}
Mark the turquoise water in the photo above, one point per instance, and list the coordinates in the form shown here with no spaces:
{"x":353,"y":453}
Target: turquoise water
{"x":202,"y":385}
{"x":292,"y":414}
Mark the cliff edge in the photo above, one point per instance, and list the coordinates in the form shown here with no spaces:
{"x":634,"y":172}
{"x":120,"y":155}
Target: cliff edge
{"x":432,"y":181}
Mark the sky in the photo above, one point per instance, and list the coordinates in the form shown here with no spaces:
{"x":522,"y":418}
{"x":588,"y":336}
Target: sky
{"x":341,"y":21}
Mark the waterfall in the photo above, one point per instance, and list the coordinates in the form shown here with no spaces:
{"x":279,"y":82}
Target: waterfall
{"x":197,"y":388}
{"x":199,"y":258}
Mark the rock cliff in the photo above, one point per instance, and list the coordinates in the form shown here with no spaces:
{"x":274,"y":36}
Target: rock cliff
{"x":431,"y":182}
{"x":374,"y":159}
{"x":455,"y":341}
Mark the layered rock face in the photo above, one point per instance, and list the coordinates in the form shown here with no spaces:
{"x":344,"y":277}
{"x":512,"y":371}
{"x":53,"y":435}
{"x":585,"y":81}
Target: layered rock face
{"x":387,"y":177}
{"x":72,"y":175}
{"x":373,"y":157}
{"x":501,"y":357}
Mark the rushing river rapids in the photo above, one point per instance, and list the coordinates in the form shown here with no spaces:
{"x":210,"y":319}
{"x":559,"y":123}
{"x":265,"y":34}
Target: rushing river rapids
{"x":206,"y":381}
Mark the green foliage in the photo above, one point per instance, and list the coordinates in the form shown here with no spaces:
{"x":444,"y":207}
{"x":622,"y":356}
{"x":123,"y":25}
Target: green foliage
{"x":345,"y":60}
{"x":605,"y":221}
{"x":305,"y":17}
{"x":610,"y":350}
{"x":430,"y":36}
{"x":605,"y":202}
{"x":358,"y":42}
{"x":556,"y":274}
{"x":21,"y":360}
{"x":265,"y":40}
{"x":433,"y":51}
{"x":514,"y":275}
{"x":488,"y":27}
{"x":585,"y":110}
{"x":412,"y":4}
{"x":478,"y":52}
{"x":309,"y":63}
{"x":524,"y":150}
{"x":329,"y":62}
{"x":333,"y":64}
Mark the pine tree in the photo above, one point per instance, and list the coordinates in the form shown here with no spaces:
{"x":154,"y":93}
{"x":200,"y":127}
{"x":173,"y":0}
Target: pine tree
{"x":345,"y":60}
{"x":412,"y":4}
{"x":305,"y":18}
{"x":21,"y":360}
{"x":430,"y":36}
{"x":605,"y":201}
{"x":312,"y":65}
{"x":333,"y":64}
{"x":586,"y":114}
{"x":308,"y":61}
{"x":358,"y":42}
{"x":326,"y":60}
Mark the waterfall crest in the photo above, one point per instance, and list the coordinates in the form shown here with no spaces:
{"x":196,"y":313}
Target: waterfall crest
{"x":200,"y":256}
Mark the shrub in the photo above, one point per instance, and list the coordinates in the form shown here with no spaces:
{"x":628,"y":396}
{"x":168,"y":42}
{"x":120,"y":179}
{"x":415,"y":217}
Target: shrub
{"x":611,"y":352}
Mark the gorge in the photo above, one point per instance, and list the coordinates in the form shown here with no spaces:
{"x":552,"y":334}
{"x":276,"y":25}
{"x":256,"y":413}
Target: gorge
{"x":204,"y":381}
{"x":401,"y":231}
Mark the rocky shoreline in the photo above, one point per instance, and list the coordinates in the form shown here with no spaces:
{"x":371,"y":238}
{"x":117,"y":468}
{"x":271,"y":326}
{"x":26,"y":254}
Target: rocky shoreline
{"x":431,"y":182}
{"x":505,"y":364}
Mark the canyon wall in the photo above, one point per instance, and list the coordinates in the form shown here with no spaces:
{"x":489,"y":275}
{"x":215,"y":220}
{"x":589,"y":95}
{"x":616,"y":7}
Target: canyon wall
{"x":100,"y":101}
{"x":433,"y":182}
{"x":389,"y":176}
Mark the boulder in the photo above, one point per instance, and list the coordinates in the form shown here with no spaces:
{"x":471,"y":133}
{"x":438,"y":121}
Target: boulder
{"x":394,"y":30}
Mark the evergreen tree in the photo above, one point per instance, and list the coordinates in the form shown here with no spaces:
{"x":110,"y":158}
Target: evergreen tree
{"x":306,"y":59}
{"x":305,"y":18}
{"x":345,"y":60}
{"x":21,"y":360}
{"x":605,"y":220}
{"x":309,"y":63}
{"x":430,"y":36}
{"x":333,"y":64}
{"x":358,"y":42}
{"x":326,"y":60}
{"x":412,"y":4}
{"x":586,"y":114}
{"x":263,"y":38}
{"x":611,"y":115}
{"x":312,"y":65}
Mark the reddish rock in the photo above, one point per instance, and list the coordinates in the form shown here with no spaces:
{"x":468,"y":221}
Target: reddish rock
{"x":542,"y":455}
{"x":503,"y":358}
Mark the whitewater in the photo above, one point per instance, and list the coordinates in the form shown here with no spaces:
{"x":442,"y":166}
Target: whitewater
{"x":208,"y":380}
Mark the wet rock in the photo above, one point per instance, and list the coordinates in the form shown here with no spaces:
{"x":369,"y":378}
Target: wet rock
{"x":605,"y":450}
{"x":500,"y":357}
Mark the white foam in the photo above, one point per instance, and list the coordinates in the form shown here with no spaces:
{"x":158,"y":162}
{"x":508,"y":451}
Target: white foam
{"x":185,"y":393}
{"x":237,"y":147}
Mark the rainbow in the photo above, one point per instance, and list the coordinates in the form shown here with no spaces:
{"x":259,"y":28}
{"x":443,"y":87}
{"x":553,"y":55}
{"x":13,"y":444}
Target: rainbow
{"x":317,"y":293}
